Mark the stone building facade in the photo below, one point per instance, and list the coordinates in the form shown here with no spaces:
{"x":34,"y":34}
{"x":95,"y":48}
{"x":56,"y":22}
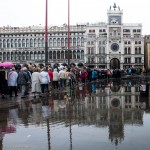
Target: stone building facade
{"x":27,"y":44}
{"x":114,"y":44}
{"x":105,"y":45}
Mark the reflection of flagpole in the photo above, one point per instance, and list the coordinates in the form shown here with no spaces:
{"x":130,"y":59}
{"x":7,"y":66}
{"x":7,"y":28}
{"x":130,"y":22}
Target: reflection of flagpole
{"x":70,"y":129}
{"x":69,"y":33}
{"x":46,"y":34}
{"x":48,"y":135}
{"x":45,"y":109}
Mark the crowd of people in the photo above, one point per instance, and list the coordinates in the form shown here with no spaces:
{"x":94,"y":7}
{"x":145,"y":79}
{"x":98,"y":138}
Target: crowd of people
{"x":21,"y":79}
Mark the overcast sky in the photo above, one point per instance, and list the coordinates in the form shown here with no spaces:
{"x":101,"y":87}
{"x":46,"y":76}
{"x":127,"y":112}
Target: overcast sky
{"x":32,"y":12}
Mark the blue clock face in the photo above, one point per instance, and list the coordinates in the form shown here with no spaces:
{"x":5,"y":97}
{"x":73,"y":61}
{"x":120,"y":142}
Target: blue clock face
{"x":115,"y":47}
{"x":115,"y":19}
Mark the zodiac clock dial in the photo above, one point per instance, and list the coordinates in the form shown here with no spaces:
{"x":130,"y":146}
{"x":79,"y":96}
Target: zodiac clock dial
{"x":115,"y":47}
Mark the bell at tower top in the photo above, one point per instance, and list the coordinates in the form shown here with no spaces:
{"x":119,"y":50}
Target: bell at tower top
{"x":114,"y":7}
{"x":115,"y":15}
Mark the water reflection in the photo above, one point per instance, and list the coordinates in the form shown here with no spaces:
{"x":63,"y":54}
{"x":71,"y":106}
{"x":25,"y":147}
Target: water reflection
{"x":104,"y":104}
{"x":8,"y":121}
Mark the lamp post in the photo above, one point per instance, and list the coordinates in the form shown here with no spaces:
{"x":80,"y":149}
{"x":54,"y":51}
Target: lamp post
{"x":46,"y":34}
{"x":69,"y":33}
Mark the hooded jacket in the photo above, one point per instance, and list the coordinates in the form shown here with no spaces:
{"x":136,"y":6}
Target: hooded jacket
{"x":44,"y":77}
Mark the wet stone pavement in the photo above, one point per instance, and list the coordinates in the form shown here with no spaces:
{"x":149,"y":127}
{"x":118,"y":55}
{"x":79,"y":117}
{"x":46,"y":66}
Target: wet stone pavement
{"x":102,"y":115}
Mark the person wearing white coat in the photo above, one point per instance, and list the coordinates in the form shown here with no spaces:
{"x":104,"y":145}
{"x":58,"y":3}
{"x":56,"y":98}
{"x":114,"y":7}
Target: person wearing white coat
{"x":36,"y":85}
{"x":44,"y":80}
{"x":55,"y":79}
{"x":12,"y":82}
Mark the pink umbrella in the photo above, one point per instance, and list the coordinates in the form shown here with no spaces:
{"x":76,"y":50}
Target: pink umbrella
{"x":7,"y":64}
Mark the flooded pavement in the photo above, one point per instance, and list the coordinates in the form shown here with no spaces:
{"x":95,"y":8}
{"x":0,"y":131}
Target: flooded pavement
{"x":100,"y":116}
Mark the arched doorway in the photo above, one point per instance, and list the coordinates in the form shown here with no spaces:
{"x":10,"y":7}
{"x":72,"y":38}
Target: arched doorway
{"x":114,"y":63}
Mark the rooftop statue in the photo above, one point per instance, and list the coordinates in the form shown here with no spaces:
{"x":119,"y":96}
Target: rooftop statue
{"x":114,"y":6}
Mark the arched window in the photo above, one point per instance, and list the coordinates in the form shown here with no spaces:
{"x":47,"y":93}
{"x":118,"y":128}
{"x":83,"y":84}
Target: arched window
{"x":74,"y":41}
{"x":82,"y":41}
{"x":43,"y":55}
{"x":139,"y":50}
{"x":54,"y":42}
{"x":50,"y":54}
{"x":35,"y":43}
{"x":15,"y":56}
{"x":35,"y":56}
{"x":100,"y":50}
{"x":31,"y":43}
{"x":70,"y":56}
{"x":8,"y":56}
{"x":50,"y":42}
{"x":39,"y":56}
{"x":23,"y":56}
{"x":4,"y":43}
{"x":27,"y":56}
{"x":62,"y":42}
{"x":27,"y":42}
{"x":66,"y":42}
{"x":58,"y":55}
{"x":16,"y":43}
{"x":78,"y":41}
{"x":43,"y":43}
{"x":12,"y":43}
{"x":23,"y":43}
{"x":0,"y":43}
{"x":32,"y":56}
{"x":19,"y":56}
{"x":62,"y":54}
{"x":19,"y":43}
{"x":136,"y":50}
{"x":12,"y":56}
{"x":8,"y":43}
{"x":129,"y":50}
{"x":54,"y":55}
{"x":70,"y":41}
{"x":82,"y":54}
{"x":125,"y":50}
{"x":39,"y":42}
{"x":58,"y":42}
{"x":78,"y":54}
{"x":103,"y":50}
{"x":66,"y":54}
{"x":4,"y":56}
{"x":0,"y":56}
{"x":74,"y":54}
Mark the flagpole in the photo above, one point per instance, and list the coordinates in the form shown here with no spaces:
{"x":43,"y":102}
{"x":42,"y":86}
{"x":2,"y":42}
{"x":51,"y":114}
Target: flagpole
{"x":46,"y":34}
{"x":68,"y":33}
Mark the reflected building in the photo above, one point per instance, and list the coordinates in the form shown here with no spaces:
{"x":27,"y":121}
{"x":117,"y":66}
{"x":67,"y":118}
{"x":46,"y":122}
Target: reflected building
{"x":114,"y":106}
{"x":109,"y":105}
{"x":6,"y":127}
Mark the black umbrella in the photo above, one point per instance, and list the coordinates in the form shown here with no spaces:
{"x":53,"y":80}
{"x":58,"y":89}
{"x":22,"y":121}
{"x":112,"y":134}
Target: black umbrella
{"x":80,"y":65}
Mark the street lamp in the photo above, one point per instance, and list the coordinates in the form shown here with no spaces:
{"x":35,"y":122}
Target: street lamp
{"x":46,"y":34}
{"x":69,"y":33}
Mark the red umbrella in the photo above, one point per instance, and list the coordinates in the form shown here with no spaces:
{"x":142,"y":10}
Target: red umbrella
{"x":7,"y":64}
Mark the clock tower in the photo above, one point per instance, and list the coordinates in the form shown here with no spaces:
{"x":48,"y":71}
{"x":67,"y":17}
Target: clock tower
{"x":114,"y":40}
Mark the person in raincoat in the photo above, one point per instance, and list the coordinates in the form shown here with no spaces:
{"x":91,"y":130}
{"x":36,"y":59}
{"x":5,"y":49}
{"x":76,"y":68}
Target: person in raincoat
{"x":12,"y":82}
{"x":23,"y":80}
{"x":3,"y":82}
{"x":35,"y":85}
{"x":44,"y":80}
